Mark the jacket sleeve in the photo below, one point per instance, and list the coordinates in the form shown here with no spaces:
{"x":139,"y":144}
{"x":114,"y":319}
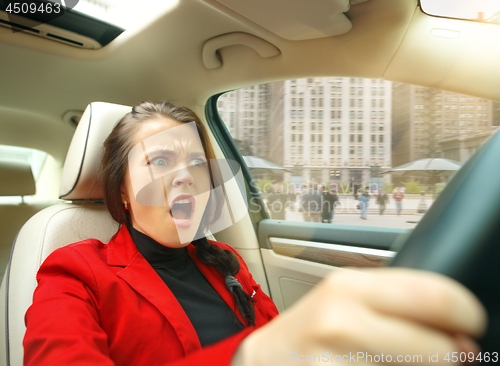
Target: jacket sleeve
{"x":63,"y":322}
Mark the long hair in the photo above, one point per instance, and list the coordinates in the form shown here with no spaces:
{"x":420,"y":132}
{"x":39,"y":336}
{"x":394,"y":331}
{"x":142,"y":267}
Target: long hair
{"x":114,"y":166}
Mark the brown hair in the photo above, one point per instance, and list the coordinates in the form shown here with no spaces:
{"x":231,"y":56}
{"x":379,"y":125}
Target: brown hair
{"x":114,"y":165}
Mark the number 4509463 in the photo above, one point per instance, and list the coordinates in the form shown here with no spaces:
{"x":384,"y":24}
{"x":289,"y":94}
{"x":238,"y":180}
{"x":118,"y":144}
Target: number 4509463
{"x":33,"y":8}
{"x":471,"y":357}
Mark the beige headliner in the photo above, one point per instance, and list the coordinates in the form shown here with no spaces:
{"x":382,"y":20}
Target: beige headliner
{"x":390,"y":39}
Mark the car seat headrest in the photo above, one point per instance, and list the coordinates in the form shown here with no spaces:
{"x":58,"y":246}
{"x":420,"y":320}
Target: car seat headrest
{"x":17,"y":179}
{"x":81,"y":167}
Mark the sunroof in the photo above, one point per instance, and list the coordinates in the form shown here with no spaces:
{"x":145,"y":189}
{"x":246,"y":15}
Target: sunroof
{"x":126,"y":14}
{"x":487,"y":11}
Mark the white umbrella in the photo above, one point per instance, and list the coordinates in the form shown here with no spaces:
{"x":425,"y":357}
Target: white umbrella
{"x":259,"y":165}
{"x":432,"y":167}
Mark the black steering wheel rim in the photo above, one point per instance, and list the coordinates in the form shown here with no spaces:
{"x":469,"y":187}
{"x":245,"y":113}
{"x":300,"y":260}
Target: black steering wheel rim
{"x":460,"y":234}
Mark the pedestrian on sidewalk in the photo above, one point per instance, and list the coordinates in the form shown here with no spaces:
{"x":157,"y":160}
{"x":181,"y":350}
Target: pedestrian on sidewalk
{"x":398,"y":196}
{"x":356,"y":190}
{"x":364,"y":201}
{"x":335,"y":202}
{"x":382,"y":201}
{"x":327,"y":204}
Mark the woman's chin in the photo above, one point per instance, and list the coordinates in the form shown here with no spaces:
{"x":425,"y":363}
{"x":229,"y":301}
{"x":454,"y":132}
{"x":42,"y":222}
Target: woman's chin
{"x":186,"y":229}
{"x":188,"y":233}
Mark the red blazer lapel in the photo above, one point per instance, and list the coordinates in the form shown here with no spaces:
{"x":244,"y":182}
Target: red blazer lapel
{"x":137,"y":272}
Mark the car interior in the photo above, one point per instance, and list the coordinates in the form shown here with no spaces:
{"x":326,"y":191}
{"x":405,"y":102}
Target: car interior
{"x":68,"y":82}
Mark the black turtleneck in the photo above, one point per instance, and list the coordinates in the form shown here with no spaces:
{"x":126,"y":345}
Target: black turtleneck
{"x":209,"y":314}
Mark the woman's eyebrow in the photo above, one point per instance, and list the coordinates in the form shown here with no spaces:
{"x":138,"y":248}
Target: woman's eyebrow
{"x":161,"y":151}
{"x":197,"y":154}
{"x":158,"y":151}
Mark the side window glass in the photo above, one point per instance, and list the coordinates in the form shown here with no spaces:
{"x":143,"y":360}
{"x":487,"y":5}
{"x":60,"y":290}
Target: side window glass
{"x":35,"y":159}
{"x":334,"y":149}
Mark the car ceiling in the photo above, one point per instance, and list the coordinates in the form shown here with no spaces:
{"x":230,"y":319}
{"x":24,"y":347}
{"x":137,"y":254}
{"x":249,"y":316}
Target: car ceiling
{"x":389,"y":39}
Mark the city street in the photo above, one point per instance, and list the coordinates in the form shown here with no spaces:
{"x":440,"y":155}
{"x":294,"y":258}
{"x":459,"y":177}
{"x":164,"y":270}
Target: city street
{"x":346,"y":212}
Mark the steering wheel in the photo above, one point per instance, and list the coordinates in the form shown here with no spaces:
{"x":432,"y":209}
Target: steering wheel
{"x":460,"y":235}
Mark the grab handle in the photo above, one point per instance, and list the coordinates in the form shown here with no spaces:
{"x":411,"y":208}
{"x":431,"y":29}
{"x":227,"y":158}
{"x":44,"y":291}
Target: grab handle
{"x":211,"y":56}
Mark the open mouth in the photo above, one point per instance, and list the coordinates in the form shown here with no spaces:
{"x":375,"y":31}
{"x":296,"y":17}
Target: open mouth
{"x":182,"y":210}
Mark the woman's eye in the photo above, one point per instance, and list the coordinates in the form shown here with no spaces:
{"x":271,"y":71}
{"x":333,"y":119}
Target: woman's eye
{"x":197,"y":162}
{"x":159,"y":161}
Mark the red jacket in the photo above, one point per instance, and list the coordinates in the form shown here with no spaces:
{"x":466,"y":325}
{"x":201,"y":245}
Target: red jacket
{"x":398,"y":196}
{"x":99,"y":304}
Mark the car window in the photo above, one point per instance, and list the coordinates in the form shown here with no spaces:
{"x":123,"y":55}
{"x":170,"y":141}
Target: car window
{"x":354,"y":138}
{"x":34,"y":158}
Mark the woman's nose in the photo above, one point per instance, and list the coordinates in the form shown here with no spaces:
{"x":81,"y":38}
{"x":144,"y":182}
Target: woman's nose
{"x":182,"y":177}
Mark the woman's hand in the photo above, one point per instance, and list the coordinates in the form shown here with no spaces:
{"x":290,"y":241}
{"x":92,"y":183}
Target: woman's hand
{"x":389,"y":313}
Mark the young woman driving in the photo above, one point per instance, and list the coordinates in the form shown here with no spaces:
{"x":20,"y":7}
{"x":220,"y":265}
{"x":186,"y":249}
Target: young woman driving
{"x":160,"y":293}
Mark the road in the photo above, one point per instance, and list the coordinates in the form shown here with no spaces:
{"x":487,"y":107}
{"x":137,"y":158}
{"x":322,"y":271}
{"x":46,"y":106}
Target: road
{"x":347,"y":213}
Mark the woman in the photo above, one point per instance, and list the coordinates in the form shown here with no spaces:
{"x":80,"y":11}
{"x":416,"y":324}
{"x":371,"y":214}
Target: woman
{"x":160,"y":293}
{"x":398,"y":196}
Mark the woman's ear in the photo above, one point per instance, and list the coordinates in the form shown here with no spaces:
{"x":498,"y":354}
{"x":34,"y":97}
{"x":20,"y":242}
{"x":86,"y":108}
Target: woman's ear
{"x":123,"y":193}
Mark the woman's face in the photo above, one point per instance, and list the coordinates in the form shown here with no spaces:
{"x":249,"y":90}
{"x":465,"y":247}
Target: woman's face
{"x":167,"y":183}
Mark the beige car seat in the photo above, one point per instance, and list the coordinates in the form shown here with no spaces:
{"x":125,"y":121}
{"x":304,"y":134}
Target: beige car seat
{"x":58,"y":225}
{"x":16,"y":180}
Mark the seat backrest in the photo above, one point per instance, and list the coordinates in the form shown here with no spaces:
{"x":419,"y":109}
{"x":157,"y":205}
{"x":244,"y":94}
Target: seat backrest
{"x":16,"y":180}
{"x":58,"y":225}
